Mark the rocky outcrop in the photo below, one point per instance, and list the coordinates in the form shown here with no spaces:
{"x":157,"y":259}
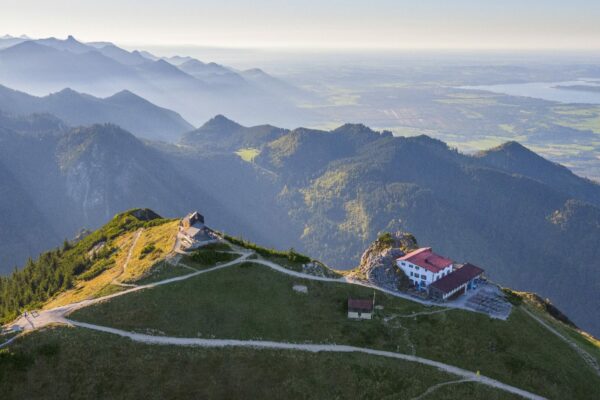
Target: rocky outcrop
{"x":383,"y":252}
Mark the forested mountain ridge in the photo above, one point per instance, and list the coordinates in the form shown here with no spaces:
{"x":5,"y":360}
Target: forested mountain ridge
{"x":517,"y":159}
{"x":221,"y":134}
{"x":74,"y":178}
{"x":125,"y":109}
{"x":56,"y":271}
{"x":328,"y":194}
{"x":517,"y":222}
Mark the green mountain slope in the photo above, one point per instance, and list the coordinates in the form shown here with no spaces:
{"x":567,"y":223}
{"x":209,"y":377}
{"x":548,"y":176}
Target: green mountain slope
{"x":248,"y":299}
{"x":79,"y":177}
{"x":517,"y":159}
{"x":329,"y":194}
{"x":518,"y":222}
{"x":119,"y":368}
{"x":222,"y":134}
{"x":58,"y":270}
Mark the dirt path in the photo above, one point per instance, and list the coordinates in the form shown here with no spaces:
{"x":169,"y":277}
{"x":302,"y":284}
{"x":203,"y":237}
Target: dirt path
{"x":394,"y":322}
{"x":587,"y":357}
{"x":314,"y":348}
{"x":9,"y":341}
{"x":417,"y":314}
{"x":343,"y":279}
{"x":58,"y":315}
{"x":124,"y":268}
{"x":405,"y":336}
{"x":439,"y":385}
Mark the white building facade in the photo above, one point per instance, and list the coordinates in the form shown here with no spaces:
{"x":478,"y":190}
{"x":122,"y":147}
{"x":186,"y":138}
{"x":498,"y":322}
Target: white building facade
{"x":423,"y":267}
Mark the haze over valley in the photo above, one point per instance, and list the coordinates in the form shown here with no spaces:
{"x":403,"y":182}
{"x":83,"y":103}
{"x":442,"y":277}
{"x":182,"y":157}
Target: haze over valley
{"x":387,"y":191}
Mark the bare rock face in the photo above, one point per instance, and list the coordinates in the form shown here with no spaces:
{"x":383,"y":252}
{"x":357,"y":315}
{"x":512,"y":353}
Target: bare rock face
{"x":385,"y":250}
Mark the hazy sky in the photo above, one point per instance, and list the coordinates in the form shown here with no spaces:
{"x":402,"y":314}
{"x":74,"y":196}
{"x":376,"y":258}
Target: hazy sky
{"x":464,"y":24}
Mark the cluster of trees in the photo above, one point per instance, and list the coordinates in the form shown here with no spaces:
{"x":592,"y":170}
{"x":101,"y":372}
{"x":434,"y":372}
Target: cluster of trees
{"x":291,"y":254}
{"x":211,"y":257}
{"x":29,"y":287}
{"x":57,"y":270}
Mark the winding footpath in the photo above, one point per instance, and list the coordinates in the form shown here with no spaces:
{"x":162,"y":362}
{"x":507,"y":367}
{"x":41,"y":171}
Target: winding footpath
{"x":59,"y":315}
{"x":9,"y":341}
{"x":313,"y":348}
{"x":587,"y":357}
{"x":129,"y":254}
{"x":439,"y":385}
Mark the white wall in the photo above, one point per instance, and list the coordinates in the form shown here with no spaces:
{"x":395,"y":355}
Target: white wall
{"x":418,"y":272}
{"x":355,"y":315}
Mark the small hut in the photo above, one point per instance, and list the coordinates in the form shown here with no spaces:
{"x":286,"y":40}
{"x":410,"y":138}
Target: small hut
{"x":360,"y":308}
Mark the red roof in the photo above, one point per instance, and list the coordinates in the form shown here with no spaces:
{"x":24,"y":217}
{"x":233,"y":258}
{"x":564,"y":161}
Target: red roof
{"x":363,"y":305}
{"x":426,"y":258}
{"x":457,"y":278}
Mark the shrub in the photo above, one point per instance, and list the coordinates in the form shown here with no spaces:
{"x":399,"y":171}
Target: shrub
{"x":210,"y":257}
{"x":217,"y":247}
{"x":386,"y":239}
{"x":512,"y":297}
{"x":149,"y":248}
{"x":291,"y":254}
{"x":97,"y":269}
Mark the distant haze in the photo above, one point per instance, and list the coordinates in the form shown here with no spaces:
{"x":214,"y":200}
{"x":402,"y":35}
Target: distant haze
{"x":340,"y":24}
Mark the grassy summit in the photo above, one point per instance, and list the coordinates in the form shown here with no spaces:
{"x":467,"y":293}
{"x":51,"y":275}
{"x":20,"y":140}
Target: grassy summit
{"x":85,"y":268}
{"x":251,"y":301}
{"x":247,"y":300}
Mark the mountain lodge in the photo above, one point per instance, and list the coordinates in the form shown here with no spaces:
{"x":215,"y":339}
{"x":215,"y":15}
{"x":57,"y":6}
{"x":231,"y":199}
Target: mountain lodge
{"x":457,"y":283}
{"x":423,"y":267}
{"x":192,"y":230}
{"x":437,"y":275}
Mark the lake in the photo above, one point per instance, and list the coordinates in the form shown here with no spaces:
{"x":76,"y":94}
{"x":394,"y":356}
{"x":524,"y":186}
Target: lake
{"x":546,"y":91}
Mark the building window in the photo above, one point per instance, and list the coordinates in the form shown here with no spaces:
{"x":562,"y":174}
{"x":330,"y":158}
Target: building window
{"x":423,"y":277}
{"x":411,"y":274}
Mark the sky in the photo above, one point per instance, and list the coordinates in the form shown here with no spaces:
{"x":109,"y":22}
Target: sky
{"x":314,"y":24}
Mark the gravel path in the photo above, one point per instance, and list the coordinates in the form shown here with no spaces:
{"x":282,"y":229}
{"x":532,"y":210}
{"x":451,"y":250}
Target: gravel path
{"x":587,"y":357}
{"x":129,"y":253}
{"x":439,"y":385}
{"x":314,"y":348}
{"x":59,"y":315}
{"x":9,"y":341}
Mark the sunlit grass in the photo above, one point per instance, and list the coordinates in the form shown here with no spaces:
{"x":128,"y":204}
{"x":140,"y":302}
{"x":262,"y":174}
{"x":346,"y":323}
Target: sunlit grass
{"x":248,"y":154}
{"x":162,"y":237}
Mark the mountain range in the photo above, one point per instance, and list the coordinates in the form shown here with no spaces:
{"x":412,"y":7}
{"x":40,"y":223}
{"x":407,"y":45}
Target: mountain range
{"x":125,"y":109}
{"x":188,"y":86}
{"x":530,"y":223}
